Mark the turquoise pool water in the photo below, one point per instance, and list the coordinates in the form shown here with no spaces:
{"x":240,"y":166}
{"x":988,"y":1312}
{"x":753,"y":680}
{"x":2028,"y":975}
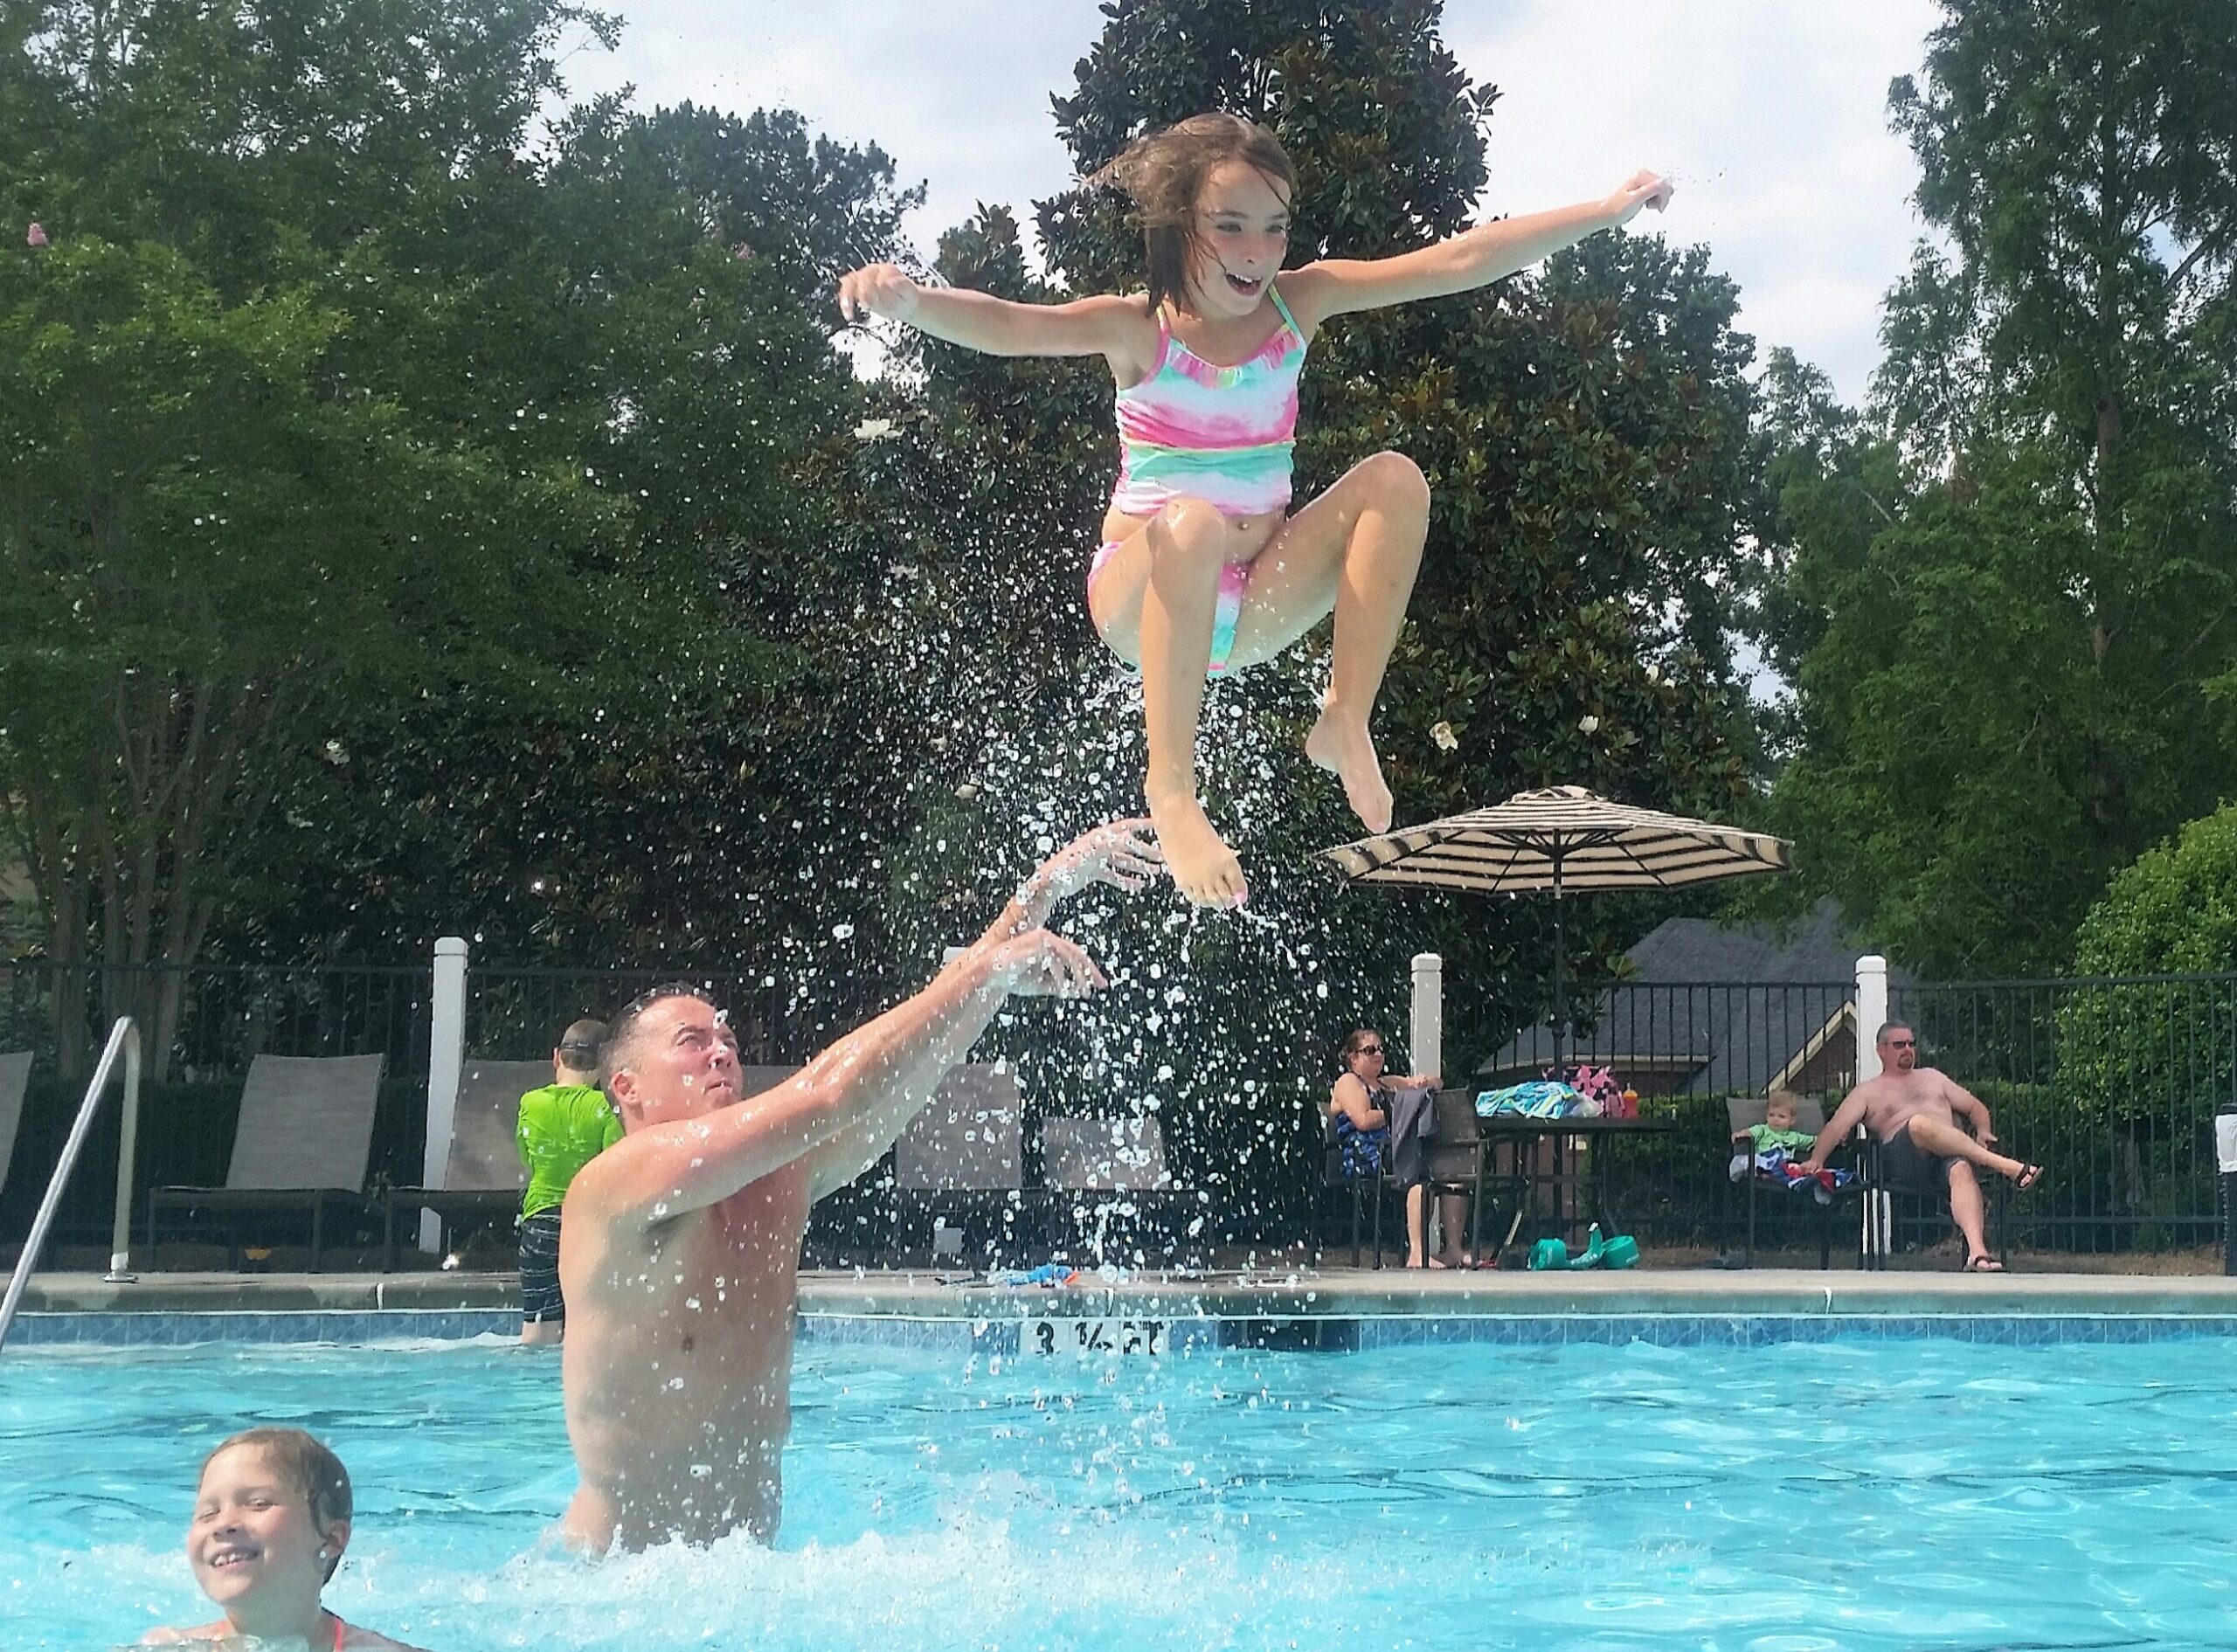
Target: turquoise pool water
{"x":1866,"y":1494}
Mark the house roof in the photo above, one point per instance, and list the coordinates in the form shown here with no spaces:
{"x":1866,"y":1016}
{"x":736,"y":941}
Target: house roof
{"x":1726,"y":1009}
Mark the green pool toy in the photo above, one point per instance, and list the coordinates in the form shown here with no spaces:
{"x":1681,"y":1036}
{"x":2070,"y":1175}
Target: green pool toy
{"x":1623,"y":1251}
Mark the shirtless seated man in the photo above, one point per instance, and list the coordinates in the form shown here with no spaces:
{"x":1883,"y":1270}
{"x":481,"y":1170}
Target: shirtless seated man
{"x":681,"y":1250}
{"x":1912,"y":1111}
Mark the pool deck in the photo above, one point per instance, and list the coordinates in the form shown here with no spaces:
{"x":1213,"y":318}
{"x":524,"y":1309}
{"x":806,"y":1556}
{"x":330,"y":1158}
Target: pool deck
{"x":1322,"y":1294}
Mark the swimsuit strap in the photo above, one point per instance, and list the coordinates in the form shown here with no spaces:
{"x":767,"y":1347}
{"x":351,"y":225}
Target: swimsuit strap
{"x":1164,"y":347}
{"x":1275,"y":292}
{"x":340,"y":1630}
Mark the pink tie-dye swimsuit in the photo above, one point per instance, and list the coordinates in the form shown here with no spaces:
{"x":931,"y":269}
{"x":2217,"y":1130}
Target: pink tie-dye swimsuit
{"x":1222,"y":435}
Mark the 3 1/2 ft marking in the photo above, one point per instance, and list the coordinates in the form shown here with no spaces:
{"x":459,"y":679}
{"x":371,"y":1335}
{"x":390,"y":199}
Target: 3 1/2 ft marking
{"x":1118,"y":1338}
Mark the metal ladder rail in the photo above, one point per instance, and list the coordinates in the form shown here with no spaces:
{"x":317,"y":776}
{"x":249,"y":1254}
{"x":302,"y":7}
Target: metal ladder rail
{"x":124,"y":1044}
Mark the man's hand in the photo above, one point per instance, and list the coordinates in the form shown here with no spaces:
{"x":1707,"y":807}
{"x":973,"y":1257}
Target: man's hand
{"x":1642,"y":189}
{"x":1123,"y":854}
{"x":1041,"y":964}
{"x":878,"y":289}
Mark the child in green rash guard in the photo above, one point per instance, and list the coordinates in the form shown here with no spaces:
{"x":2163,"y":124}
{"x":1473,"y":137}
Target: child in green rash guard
{"x":562,"y":1127}
{"x":1778,"y":1129}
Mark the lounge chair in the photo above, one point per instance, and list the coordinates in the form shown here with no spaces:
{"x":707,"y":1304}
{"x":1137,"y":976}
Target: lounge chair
{"x":1742,"y":1112}
{"x":963,"y":1155}
{"x":15,"y":1074}
{"x":305,"y":1131}
{"x":482,"y":1175}
{"x":1109,"y":1194}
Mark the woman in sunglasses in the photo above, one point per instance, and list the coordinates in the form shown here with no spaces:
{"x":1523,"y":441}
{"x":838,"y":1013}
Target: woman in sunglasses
{"x":1359,"y":1106}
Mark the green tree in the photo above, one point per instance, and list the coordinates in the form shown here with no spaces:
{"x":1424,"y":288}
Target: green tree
{"x":2172,"y":911}
{"x":213,"y":536}
{"x":385,"y":493}
{"x":1586,"y":433}
{"x":2009,"y":599}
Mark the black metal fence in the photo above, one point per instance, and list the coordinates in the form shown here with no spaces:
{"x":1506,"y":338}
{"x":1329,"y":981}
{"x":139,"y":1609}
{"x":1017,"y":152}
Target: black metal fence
{"x":2111,"y":1084}
{"x":204,"y":1026}
{"x":1685,"y":1050}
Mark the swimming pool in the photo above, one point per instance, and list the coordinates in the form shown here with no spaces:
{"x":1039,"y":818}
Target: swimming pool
{"x":1881,"y":1492}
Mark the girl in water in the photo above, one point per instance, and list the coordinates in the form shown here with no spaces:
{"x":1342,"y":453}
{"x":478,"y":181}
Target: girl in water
{"x":271,"y":1520}
{"x":1203,"y":566}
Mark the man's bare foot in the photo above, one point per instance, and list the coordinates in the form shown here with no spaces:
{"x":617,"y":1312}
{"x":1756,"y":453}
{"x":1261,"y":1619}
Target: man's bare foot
{"x":1341,"y":744}
{"x":1203,"y":868}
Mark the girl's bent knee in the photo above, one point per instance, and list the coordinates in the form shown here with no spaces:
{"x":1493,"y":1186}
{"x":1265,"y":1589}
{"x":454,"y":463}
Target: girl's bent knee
{"x":1187,"y":520}
{"x":1396,"y":482}
{"x":1189,"y":532}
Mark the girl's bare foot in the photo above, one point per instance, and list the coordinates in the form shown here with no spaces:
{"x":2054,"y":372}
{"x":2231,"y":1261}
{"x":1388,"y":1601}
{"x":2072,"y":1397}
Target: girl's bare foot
{"x":1203,"y":868}
{"x":1341,"y":744}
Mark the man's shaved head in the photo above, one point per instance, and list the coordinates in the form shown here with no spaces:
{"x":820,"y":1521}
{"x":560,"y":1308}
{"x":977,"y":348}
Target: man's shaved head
{"x":621,"y":1031}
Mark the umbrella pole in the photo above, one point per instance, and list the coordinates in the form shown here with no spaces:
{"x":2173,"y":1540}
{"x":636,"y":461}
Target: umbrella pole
{"x":1561,"y":988}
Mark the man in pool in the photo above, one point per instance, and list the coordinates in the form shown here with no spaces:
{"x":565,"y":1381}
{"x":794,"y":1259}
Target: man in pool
{"x":680,"y":1255}
{"x":1913,"y":1111}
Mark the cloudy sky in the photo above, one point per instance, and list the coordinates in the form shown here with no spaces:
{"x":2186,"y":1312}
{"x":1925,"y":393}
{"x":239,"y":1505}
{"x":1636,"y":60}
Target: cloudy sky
{"x":1770,"y":114}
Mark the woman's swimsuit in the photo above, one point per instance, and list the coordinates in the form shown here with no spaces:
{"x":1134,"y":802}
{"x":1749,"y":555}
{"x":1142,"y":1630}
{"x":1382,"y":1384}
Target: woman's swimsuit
{"x":1363,"y":1151}
{"x":1193,"y":429}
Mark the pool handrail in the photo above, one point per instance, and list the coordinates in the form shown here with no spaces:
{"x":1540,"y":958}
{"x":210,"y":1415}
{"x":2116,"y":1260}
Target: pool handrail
{"x":124,"y":1042}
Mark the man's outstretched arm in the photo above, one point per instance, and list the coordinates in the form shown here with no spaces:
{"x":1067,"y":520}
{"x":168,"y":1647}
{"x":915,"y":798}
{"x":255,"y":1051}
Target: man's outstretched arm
{"x":669,"y":1169}
{"x":1122,"y":855}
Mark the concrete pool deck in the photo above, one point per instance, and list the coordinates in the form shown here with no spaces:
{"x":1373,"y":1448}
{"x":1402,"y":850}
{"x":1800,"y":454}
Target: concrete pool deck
{"x":1330,"y":1293}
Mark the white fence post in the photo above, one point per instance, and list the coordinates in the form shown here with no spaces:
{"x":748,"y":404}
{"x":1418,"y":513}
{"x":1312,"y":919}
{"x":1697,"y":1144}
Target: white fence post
{"x":1871,"y":1012}
{"x":445,"y":1062}
{"x":1425,"y":1047}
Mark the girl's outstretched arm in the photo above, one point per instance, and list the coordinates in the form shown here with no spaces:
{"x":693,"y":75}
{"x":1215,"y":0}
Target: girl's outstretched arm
{"x":1107,"y":325}
{"x":1471,"y":260}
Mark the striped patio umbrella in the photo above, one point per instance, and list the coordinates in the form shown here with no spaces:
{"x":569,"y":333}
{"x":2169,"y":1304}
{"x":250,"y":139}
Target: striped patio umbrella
{"x":1561,"y":838}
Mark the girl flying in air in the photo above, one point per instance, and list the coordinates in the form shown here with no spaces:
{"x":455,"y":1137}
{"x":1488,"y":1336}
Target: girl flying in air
{"x":1203,"y":566}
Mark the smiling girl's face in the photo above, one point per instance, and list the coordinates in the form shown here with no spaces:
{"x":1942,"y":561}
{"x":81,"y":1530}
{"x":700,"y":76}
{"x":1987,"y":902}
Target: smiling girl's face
{"x":1242,"y":232}
{"x":253,"y":1538}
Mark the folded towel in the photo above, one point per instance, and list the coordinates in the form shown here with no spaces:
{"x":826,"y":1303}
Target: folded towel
{"x":1540,"y":1098}
{"x":1774,"y":1165}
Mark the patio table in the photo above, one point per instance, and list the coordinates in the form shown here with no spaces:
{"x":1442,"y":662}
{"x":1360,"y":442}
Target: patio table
{"x":1576,"y":1197}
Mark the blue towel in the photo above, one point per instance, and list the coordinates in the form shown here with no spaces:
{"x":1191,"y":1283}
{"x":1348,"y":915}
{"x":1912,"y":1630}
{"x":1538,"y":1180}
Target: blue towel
{"x":1775,"y":1162}
{"x":1047,"y":1274}
{"x":1540,"y":1098}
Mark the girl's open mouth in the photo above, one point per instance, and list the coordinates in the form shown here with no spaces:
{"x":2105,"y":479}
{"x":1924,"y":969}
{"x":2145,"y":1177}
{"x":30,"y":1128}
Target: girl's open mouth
{"x":1242,"y":286}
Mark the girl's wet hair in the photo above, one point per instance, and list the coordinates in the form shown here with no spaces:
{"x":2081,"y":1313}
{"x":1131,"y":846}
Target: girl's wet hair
{"x":1164,"y":173}
{"x":304,"y":1464}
